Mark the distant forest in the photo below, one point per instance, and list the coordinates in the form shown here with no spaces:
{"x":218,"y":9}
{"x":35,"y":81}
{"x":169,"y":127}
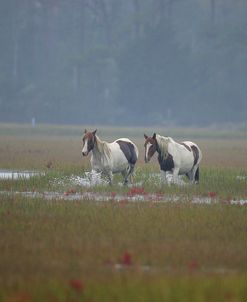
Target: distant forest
{"x":123,"y":62}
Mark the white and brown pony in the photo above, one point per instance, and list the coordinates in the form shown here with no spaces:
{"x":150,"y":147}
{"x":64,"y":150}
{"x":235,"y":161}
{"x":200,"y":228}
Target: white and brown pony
{"x":174,"y":158}
{"x":119,"y":156}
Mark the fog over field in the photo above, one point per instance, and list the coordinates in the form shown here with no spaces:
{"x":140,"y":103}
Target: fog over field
{"x":124,"y":62}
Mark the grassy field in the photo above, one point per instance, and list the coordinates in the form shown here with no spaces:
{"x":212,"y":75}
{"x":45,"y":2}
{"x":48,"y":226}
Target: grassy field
{"x":120,"y":251}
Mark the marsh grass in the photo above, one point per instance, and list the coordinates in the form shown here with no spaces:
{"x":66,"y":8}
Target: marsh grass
{"x":138,"y":288}
{"x":171,"y":246}
{"x":25,"y":130}
{"x":224,"y":183}
{"x":75,"y":250}
{"x":22,"y":147}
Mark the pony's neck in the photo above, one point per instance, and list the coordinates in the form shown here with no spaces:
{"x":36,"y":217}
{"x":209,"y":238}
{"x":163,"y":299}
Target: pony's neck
{"x":97,"y":145}
{"x":162,"y":144}
{"x":100,"y":148}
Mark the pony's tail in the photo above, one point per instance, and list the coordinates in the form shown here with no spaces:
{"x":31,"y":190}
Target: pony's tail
{"x":197,"y":176}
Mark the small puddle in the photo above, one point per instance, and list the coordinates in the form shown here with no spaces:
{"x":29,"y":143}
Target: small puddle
{"x":9,"y":174}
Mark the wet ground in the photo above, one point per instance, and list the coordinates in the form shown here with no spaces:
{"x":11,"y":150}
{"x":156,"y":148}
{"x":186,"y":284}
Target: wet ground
{"x":92,"y":179}
{"x":9,"y":174}
{"x":134,"y":195}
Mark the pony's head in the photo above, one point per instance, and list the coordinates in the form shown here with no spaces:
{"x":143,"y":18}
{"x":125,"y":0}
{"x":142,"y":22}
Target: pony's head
{"x":150,"y":146}
{"x":88,"y":142}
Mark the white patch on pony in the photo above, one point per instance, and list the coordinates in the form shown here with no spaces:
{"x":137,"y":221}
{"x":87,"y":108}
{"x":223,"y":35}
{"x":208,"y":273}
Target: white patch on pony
{"x":147,"y":149}
{"x":84,"y":149}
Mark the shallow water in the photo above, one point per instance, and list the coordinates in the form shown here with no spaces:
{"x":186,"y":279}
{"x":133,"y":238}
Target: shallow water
{"x":9,"y":174}
{"x":93,"y":179}
{"x":88,"y":179}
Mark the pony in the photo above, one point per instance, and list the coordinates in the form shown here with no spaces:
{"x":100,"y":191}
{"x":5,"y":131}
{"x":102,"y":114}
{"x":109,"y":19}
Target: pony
{"x":119,"y":156}
{"x":174,"y":158}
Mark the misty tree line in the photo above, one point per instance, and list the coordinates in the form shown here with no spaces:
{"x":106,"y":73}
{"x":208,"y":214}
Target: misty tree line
{"x":123,"y":62}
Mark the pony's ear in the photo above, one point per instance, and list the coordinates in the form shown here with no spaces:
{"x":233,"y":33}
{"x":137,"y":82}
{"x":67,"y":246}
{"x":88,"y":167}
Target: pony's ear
{"x":154,"y":136}
{"x":145,"y":136}
{"x":94,"y":132}
{"x":85,"y":131}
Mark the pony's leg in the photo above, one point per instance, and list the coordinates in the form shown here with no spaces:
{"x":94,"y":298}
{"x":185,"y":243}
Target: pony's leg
{"x":131,"y":172}
{"x":163,"y":177}
{"x":194,"y":175}
{"x":125,"y":177}
{"x":190,"y":176}
{"x":175,"y":175}
{"x":109,"y":176}
{"x":128,"y":174}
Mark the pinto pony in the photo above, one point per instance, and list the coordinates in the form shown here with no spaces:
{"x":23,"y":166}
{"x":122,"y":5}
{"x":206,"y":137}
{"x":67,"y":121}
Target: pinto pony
{"x":119,"y":156}
{"x":176,"y":158}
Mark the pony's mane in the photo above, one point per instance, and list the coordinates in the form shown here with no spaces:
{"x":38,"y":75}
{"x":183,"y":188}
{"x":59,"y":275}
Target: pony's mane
{"x":103,"y":147}
{"x":163,"y":143}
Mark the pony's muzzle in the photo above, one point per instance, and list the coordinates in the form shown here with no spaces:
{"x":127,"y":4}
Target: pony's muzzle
{"x":85,"y":153}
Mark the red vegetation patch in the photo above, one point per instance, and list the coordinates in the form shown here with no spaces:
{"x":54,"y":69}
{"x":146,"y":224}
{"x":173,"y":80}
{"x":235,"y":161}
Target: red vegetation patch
{"x":193,"y":266}
{"x":113,"y":194}
{"x":70,"y":191}
{"x":126,"y":259}
{"x":212,"y":194}
{"x":77,"y":285}
{"x":136,"y":191}
{"x":22,"y":296}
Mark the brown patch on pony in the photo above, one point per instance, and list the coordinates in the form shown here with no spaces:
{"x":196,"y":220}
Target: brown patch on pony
{"x":166,"y":164}
{"x":186,"y":146}
{"x":150,"y":140}
{"x":89,"y":137}
{"x":153,"y":148}
{"x":128,"y":150}
{"x":196,"y":154}
{"x":88,"y":134}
